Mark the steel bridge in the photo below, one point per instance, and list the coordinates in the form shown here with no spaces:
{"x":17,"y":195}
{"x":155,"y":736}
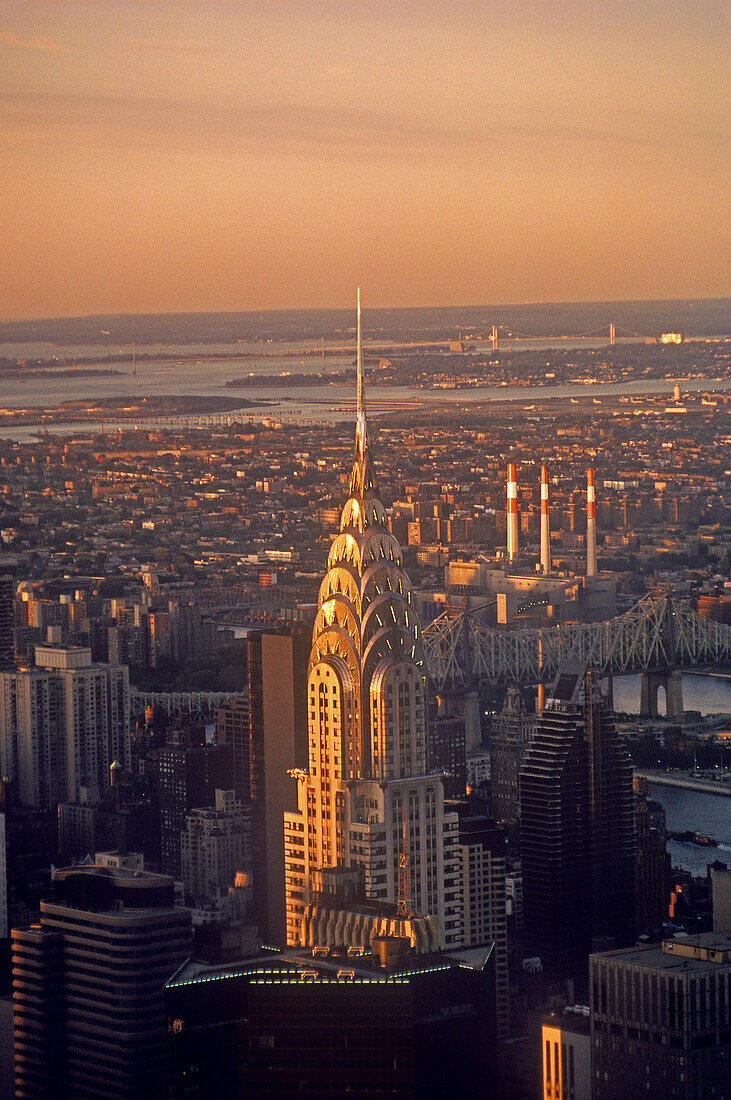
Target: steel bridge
{"x":659,"y":634}
{"x":196,"y":706}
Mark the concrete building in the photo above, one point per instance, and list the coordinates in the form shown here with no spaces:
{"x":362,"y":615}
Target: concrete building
{"x":215,"y":845}
{"x":566,"y":1055}
{"x":62,"y":724}
{"x":661,"y":1020}
{"x":367,"y":804}
{"x":88,"y":986}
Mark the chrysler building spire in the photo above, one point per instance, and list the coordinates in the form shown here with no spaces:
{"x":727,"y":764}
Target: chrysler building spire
{"x":362,"y":478}
{"x":367,"y":801}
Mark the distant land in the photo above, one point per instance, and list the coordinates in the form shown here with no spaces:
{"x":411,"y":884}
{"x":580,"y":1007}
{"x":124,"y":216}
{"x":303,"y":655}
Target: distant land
{"x":691,"y":317}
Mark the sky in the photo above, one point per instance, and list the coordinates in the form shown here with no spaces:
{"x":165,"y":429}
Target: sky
{"x":170,"y":156}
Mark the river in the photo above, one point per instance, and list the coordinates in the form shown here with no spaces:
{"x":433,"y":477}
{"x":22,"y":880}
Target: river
{"x":707,"y":814}
{"x":707,"y":694}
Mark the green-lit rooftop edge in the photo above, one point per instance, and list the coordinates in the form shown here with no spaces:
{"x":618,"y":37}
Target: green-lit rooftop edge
{"x":291,"y":973}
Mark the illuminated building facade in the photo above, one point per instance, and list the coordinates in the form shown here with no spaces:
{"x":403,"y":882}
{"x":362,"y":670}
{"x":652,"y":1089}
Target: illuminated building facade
{"x":367,"y":804}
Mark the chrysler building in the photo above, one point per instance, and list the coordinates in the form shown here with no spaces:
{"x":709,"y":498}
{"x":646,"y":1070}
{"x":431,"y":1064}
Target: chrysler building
{"x":371,"y":835}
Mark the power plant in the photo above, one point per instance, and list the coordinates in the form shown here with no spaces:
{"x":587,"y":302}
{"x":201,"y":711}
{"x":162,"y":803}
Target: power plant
{"x":590,"y":525}
{"x":512,"y":514}
{"x":545,"y":527}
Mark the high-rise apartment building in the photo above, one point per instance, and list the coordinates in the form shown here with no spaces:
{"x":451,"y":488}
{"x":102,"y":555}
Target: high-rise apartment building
{"x":661,"y":1020}
{"x":7,"y":622}
{"x":215,"y":845}
{"x":367,"y":804}
{"x":88,"y":986}
{"x":62,"y":724}
{"x":577,"y":831}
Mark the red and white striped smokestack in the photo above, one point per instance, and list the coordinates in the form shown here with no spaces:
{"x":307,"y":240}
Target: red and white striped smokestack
{"x":512,"y":514}
{"x":545,"y":529}
{"x":590,"y":525}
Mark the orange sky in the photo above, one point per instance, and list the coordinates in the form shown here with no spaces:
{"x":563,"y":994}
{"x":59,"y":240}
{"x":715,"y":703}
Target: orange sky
{"x":169,"y":156}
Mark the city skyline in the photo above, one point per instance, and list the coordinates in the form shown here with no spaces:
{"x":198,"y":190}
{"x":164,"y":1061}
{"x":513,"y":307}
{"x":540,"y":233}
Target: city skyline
{"x":219,"y":156}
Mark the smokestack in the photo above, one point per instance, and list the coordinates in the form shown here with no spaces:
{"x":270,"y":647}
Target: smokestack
{"x":512,"y":514}
{"x":545,"y":529}
{"x":590,"y":525}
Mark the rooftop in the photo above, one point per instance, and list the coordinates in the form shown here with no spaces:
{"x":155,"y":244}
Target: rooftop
{"x":293,"y":966}
{"x":681,"y":953}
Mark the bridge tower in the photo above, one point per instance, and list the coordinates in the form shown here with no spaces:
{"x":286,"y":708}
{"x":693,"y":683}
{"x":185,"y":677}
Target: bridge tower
{"x":612,"y":333}
{"x":493,"y":337}
{"x":650,"y":682}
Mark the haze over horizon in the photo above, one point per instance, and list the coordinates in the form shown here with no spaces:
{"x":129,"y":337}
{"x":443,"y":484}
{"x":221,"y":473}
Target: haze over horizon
{"x":271,"y":155}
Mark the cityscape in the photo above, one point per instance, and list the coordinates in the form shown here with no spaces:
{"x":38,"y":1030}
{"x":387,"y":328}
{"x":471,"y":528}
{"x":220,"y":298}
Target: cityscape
{"x":365,"y":664}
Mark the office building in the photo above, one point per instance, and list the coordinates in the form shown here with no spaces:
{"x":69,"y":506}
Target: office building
{"x":367,"y":804}
{"x":232,"y":728}
{"x":566,"y":1054}
{"x":721,"y":900}
{"x":62,"y":723}
{"x":511,"y":731}
{"x":88,"y":986}
{"x":277,"y":670}
{"x":577,"y":831}
{"x":189,"y":774}
{"x":334,"y":1023}
{"x":446,"y":745}
{"x":661,"y":1020}
{"x":652,"y":880}
{"x":484,"y":919}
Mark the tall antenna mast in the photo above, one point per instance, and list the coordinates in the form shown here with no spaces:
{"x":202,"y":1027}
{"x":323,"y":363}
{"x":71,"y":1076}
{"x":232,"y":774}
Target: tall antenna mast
{"x":361,"y":429}
{"x":134,"y":361}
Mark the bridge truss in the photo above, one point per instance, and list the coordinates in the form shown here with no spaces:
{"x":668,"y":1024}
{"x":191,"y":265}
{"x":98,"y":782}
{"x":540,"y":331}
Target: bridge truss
{"x":196,"y":706}
{"x":658,"y":633}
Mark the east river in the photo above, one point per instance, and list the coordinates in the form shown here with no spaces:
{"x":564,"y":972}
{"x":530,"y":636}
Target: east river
{"x":707,"y":814}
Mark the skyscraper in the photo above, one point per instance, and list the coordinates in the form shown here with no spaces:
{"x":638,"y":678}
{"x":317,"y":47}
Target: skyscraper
{"x":366,"y":803}
{"x":577,"y":831}
{"x":277,"y":669}
{"x":88,"y":986}
{"x":62,"y":724}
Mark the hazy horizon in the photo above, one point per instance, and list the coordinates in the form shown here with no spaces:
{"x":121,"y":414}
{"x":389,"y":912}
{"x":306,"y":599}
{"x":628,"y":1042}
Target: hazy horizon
{"x":271,"y":154}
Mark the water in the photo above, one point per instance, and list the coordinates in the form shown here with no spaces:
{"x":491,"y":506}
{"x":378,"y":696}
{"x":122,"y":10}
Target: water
{"x":318,"y":402}
{"x":707,"y":694}
{"x":707,"y":814}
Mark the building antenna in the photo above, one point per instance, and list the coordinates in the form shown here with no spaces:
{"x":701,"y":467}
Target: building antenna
{"x":361,"y":430}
